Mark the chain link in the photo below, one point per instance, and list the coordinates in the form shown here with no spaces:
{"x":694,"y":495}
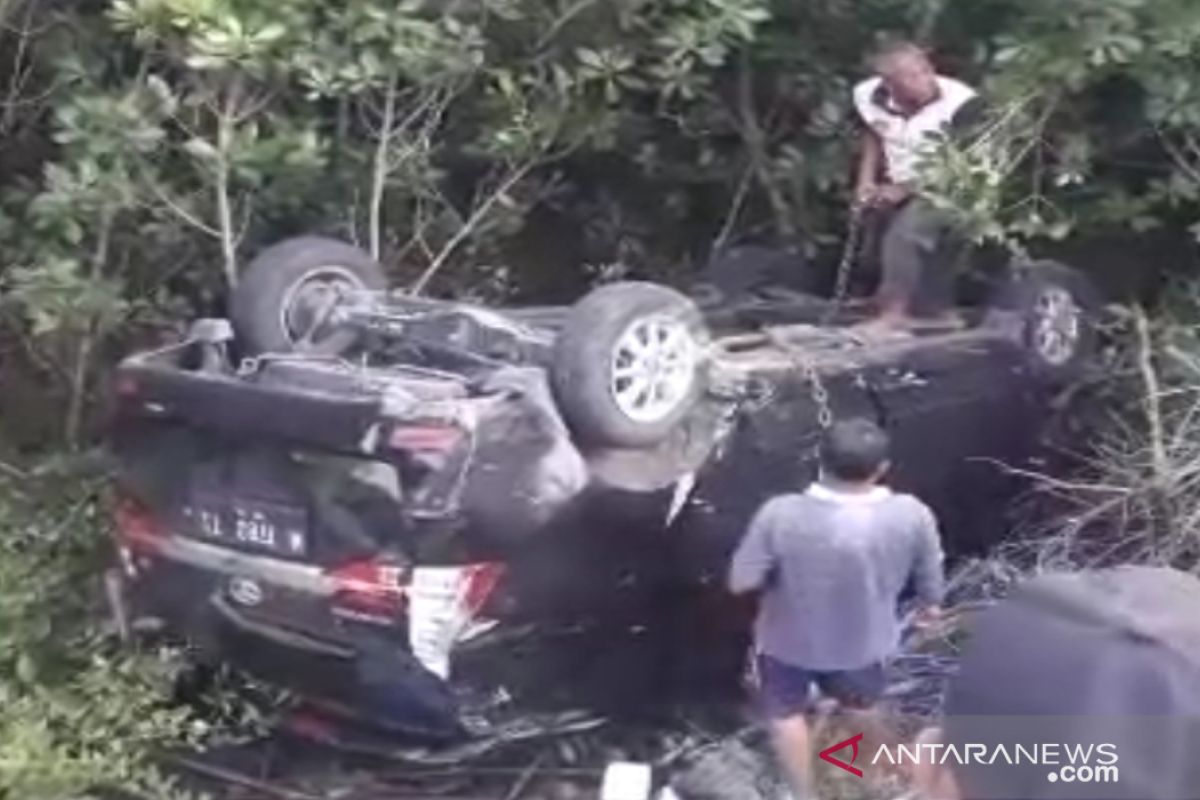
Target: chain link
{"x":846,"y":265}
{"x":803,"y":361}
{"x":820,"y":395}
{"x":812,"y":376}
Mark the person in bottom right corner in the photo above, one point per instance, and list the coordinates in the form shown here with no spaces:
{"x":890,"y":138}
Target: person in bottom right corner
{"x":1079,"y":686}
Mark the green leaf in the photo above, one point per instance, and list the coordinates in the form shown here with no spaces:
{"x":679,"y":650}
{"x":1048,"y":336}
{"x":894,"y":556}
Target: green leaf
{"x":590,"y":58}
{"x":271,"y":33}
{"x":27,"y":671}
{"x":202,"y":150}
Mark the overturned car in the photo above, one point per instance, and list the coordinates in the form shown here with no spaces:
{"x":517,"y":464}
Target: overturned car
{"x":426,"y":513}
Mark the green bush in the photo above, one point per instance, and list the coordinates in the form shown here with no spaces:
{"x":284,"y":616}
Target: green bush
{"x":79,"y":712}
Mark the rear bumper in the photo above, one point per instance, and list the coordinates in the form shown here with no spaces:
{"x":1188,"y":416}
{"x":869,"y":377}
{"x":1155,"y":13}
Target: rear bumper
{"x":363,"y":668}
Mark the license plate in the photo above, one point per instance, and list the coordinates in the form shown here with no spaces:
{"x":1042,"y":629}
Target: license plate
{"x":253,"y":523}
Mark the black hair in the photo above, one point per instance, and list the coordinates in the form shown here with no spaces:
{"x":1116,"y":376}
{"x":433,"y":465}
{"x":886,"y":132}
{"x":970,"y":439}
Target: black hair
{"x":853,"y":450}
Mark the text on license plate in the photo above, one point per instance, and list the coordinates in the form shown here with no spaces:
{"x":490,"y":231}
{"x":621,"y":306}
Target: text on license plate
{"x":261,"y":524}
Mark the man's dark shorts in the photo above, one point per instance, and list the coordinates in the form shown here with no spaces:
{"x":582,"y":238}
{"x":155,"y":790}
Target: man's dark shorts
{"x":783,"y":689}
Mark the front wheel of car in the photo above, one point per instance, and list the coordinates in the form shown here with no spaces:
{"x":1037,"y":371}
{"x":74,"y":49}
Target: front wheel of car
{"x":629,"y":364}
{"x":1057,"y":310}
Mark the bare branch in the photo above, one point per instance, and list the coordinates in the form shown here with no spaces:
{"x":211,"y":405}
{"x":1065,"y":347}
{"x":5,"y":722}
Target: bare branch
{"x":1153,"y":394}
{"x":735,"y":207}
{"x":379,"y":173}
{"x":755,"y":140}
{"x":473,"y":222}
{"x":1182,"y":162}
{"x":181,"y":212}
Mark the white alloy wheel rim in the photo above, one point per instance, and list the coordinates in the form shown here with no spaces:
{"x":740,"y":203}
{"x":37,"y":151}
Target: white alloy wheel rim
{"x":310,"y":298}
{"x":653,"y":368}
{"x":1057,"y":325}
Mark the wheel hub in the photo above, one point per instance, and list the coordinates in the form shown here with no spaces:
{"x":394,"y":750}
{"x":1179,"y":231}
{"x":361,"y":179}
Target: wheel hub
{"x":653,"y":368}
{"x":308,"y":305}
{"x":1057,"y":326}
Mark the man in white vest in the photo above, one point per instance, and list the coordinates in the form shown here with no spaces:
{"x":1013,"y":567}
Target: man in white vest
{"x":904,"y":108}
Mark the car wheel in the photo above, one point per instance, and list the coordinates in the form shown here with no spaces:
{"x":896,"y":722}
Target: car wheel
{"x":629,"y":364}
{"x":283,"y":299}
{"x":1058,"y":310}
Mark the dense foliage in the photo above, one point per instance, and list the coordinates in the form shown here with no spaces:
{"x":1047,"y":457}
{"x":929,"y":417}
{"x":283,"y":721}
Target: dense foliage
{"x":477,"y":147}
{"x":64,"y":689}
{"x":148,"y":147}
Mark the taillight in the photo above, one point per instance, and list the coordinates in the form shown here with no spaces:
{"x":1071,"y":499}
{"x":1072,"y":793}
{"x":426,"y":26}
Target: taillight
{"x":370,"y":588}
{"x":425,"y":438}
{"x":481,"y":582}
{"x":137,"y":526}
{"x":127,"y":386}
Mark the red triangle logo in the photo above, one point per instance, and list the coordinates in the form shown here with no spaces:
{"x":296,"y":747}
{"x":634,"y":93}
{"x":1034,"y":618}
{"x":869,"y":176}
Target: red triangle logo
{"x":852,"y":742}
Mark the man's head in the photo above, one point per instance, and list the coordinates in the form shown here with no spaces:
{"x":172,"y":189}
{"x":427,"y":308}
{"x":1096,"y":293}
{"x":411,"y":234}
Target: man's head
{"x":907,"y":74}
{"x":854,"y":451}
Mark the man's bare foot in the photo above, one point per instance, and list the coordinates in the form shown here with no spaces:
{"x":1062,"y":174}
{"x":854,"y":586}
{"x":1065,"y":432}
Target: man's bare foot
{"x":950,"y":320}
{"x":883,"y":326}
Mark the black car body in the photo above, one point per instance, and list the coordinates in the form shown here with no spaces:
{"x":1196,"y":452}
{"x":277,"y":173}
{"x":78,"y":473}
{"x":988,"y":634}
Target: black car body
{"x":420,"y":532}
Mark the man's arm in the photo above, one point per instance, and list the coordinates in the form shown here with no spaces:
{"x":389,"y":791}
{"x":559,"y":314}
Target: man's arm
{"x":870,"y":157}
{"x":929,"y":580}
{"x":868,"y":188}
{"x":754,"y":560}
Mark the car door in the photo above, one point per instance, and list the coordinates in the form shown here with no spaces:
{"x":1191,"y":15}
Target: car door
{"x":959,"y":414}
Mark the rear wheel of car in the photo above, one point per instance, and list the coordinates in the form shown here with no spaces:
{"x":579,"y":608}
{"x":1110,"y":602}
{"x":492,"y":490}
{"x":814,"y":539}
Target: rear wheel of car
{"x":629,"y":364}
{"x":1058,"y":310}
{"x":285,"y":297}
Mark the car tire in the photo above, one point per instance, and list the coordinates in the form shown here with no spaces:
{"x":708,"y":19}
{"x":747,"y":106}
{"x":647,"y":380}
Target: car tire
{"x":1058,"y":312}
{"x":629,"y":364}
{"x":291,"y":279}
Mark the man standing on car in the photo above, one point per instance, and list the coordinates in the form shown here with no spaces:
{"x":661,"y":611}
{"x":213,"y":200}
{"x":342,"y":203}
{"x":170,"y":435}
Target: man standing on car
{"x":904,"y":108}
{"x":831,"y":564}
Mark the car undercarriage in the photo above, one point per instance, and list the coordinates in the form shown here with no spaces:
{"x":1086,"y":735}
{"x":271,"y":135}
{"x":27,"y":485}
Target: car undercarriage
{"x":431,"y":514}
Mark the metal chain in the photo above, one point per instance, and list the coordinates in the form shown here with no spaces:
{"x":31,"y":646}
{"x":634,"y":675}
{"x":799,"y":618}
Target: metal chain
{"x":808,"y":368}
{"x":820,"y":395}
{"x":812,"y":376}
{"x":803,"y":361}
{"x":846,"y":264}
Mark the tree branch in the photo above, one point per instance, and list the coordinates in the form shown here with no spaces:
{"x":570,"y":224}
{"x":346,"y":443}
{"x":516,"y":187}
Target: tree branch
{"x":481,"y":212}
{"x":755,"y":141}
{"x":226,"y":119}
{"x":379,"y":172}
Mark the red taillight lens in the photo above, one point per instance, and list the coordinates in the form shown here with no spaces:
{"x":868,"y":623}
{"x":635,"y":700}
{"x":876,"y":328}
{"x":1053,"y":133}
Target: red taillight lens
{"x":425,"y":438}
{"x":370,"y":587}
{"x":137,"y":526}
{"x":481,"y":582}
{"x":127,"y":386}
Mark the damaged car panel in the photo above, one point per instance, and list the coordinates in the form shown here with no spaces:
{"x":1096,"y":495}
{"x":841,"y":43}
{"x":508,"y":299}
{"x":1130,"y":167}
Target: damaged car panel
{"x":432,"y":514}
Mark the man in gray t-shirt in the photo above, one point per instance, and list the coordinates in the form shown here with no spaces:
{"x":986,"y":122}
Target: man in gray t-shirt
{"x":830,"y":565}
